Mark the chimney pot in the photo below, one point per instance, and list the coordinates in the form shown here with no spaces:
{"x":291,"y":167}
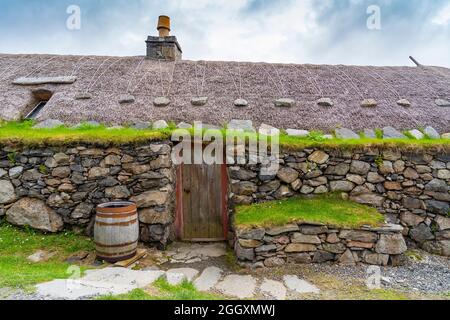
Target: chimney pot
{"x":164,"y":26}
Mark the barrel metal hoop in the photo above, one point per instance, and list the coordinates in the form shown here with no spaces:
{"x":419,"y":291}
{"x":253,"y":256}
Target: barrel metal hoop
{"x":116,"y":254}
{"x":119,"y":224}
{"x":117,"y":215}
{"x":115,"y":245}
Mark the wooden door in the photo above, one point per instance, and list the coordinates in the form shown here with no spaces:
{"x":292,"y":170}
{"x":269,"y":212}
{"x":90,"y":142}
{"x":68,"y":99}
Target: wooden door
{"x":202,"y":203}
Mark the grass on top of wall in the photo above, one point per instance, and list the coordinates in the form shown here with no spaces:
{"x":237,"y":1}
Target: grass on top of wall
{"x":17,"y":244}
{"x":23,"y":133}
{"x":328,"y":209}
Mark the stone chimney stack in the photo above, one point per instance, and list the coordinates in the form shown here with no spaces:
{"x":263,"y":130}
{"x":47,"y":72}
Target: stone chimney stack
{"x":165,"y":46}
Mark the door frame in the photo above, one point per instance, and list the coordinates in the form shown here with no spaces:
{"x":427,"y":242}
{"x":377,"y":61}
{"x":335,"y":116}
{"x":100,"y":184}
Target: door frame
{"x":179,"y":214}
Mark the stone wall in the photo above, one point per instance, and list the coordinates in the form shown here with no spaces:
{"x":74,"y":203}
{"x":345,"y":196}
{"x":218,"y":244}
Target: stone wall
{"x":411,"y":189}
{"x":54,"y":188}
{"x":306,"y":243}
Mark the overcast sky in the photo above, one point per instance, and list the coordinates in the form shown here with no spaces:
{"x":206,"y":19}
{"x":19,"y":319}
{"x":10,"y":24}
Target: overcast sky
{"x":297,"y":31}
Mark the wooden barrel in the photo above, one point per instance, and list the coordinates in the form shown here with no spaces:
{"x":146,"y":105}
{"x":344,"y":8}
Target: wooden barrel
{"x":116,"y":231}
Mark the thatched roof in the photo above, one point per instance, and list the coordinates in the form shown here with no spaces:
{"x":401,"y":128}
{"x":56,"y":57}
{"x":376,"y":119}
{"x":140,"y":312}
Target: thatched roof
{"x":106,"y":79}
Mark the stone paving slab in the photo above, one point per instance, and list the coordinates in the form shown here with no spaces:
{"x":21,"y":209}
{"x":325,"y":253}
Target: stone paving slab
{"x":298,"y":285}
{"x":98,"y":282}
{"x":177,"y":276}
{"x":242,"y":287}
{"x":208,"y":279}
{"x":273,"y":289}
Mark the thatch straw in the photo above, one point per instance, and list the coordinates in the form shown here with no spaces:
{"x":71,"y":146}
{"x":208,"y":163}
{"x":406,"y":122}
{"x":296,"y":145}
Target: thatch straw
{"x":109,"y":78}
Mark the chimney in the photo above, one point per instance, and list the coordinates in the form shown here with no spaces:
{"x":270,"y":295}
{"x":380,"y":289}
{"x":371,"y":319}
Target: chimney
{"x":165,"y":46}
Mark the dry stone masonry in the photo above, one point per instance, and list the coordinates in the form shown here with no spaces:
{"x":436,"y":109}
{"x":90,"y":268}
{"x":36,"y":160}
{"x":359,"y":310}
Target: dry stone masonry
{"x":50,"y":188}
{"x":307,"y":243}
{"x":410,"y":189}
{"x":55,"y":188}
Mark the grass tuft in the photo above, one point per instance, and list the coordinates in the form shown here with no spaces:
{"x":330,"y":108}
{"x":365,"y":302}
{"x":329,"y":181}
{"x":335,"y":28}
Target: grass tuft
{"x":17,"y":244}
{"x":325,"y":209}
{"x":164,"y":291}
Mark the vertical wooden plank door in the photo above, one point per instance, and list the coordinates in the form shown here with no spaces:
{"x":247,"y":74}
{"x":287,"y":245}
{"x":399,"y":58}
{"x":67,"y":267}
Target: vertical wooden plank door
{"x":201,"y":203}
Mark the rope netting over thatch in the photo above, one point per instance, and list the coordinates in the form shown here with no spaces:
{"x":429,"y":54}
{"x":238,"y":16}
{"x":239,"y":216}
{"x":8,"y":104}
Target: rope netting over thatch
{"x":105,"y":79}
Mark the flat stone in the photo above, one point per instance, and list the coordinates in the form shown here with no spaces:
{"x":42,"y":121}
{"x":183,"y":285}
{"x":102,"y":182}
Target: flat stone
{"x":437,"y":185}
{"x":339,"y":170}
{"x":313,"y":230}
{"x":438,"y":207}
{"x":404,"y":103}
{"x":392,"y":133}
{"x":283,"y":229}
{"x":245,"y":125}
{"x":359,"y":167}
{"x":376,"y":259}
{"x":199,"y":101}
{"x":108,"y":281}
{"x":421,"y":233}
{"x":300,"y":247}
{"x":303,"y":238}
{"x":126,"y":98}
{"x":287,"y":175}
{"x":431,"y":133}
{"x":160,"y":124}
{"x":268,"y":130}
{"x":391,"y":244}
{"x":297,"y":133}
{"x":325,"y":102}
{"x":344,"y":133}
{"x":44,"y":80}
{"x":157,"y":215}
{"x":242,"y":287}
{"x":7,"y":193}
{"x":208,"y":279}
{"x":40,"y":256}
{"x":446,"y":136}
{"x":161,"y":102}
{"x":273,"y":289}
{"x":35,"y":214}
{"x":357,"y":235}
{"x":241,"y":103}
{"x":247,"y":243}
{"x":370,"y":133}
{"x":319,"y":157}
{"x":178,"y":275}
{"x":336,"y":248}
{"x":252,"y":234}
{"x":244,"y":254}
{"x":322,"y":256}
{"x":343,"y":186}
{"x":299,"y":286}
{"x":347,"y":259}
{"x":369,"y":103}
{"x":444,"y":174}
{"x":443,"y":223}
{"x":411,"y":220}
{"x":284,"y":103}
{"x":184,"y":125}
{"x":49,"y":124}
{"x":417,"y":134}
{"x":442,"y":103}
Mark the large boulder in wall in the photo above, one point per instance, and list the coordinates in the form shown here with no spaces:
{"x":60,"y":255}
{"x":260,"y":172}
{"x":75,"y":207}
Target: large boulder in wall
{"x":35,"y":214}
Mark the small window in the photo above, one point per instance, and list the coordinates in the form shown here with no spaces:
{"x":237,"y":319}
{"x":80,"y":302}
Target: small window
{"x":33,"y":114}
